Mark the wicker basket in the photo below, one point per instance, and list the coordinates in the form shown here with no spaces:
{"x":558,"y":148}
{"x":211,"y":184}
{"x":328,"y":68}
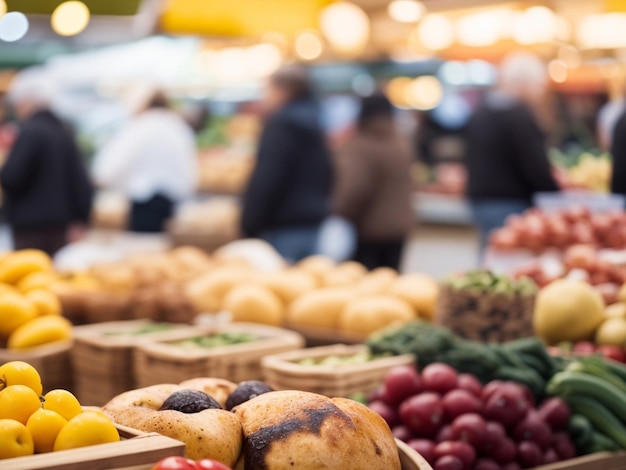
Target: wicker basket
{"x":325,"y":336}
{"x":136,"y":449}
{"x":282,"y":372}
{"x":481,"y":316}
{"x":52,"y":361}
{"x":162,"y":362}
{"x":103,"y":364}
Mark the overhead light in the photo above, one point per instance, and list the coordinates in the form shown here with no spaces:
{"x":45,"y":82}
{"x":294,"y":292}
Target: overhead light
{"x":557,"y":69}
{"x":406,"y":11}
{"x":453,"y":73}
{"x":308,"y":45}
{"x":536,"y":25}
{"x":480,"y":72}
{"x":13,"y":26}
{"x":396,"y":91}
{"x":570,"y":56}
{"x":346,"y":27}
{"x":264,"y":59}
{"x":424,"y":93}
{"x":603,"y":31}
{"x":70,"y":18}
{"x":480,"y":29}
{"x":231,"y":65}
{"x":436,"y":32}
{"x":278,"y":39}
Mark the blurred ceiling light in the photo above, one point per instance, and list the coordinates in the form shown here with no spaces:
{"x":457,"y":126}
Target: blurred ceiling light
{"x":453,"y":73}
{"x":563,"y":29}
{"x":570,"y":56}
{"x":406,"y":11}
{"x":436,"y":32}
{"x":480,"y":72}
{"x":70,"y":18}
{"x":535,"y":26}
{"x":13,"y":26}
{"x":603,"y":31}
{"x":396,"y":91}
{"x":346,"y":26}
{"x":278,"y":39}
{"x":424,"y":93}
{"x":231,"y":65}
{"x":264,"y":59}
{"x":309,"y":45}
{"x":480,"y":29}
{"x":557,"y":69}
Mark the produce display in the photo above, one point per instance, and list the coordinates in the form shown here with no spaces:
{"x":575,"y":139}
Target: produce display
{"x":456,"y":423}
{"x":341,"y":361}
{"x":217,"y":340}
{"x":280,"y":429}
{"x":584,"y":169}
{"x":30,"y":313}
{"x":485,"y":306}
{"x":31,"y":423}
{"x":224,"y":171}
{"x":537,"y":230}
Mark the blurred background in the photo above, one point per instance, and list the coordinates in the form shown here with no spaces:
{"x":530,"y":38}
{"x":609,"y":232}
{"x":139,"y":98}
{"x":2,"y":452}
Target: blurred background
{"x":435,"y":60}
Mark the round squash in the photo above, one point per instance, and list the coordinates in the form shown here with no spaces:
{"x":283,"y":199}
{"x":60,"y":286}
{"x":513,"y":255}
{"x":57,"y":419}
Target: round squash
{"x":365,"y":315}
{"x":419,"y":290}
{"x":320,"y":308}
{"x":207,"y":292}
{"x":255,"y":304}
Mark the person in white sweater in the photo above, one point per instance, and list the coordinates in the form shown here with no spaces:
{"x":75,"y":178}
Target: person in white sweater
{"x":153,"y":161}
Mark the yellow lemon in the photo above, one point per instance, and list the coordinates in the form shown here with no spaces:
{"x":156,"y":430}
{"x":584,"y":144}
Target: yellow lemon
{"x":44,"y":426}
{"x":18,"y":402}
{"x":87,"y":429}
{"x":19,"y":264}
{"x":15,"y":440}
{"x":20,"y":373}
{"x":63,"y":402}
{"x":36,"y":280}
{"x":15,"y":311}
{"x":45,"y":302}
{"x":42,"y":330}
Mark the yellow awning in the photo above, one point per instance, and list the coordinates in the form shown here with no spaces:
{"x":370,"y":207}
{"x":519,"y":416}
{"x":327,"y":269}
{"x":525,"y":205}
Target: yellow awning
{"x":240,"y":17}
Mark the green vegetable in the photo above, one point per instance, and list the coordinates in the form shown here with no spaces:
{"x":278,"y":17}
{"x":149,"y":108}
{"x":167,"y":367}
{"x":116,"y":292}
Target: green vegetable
{"x":359,"y":397}
{"x":599,"y":416}
{"x":144,"y":330}
{"x":487,"y":281}
{"x":614,"y":367}
{"x":217,"y":340}
{"x":599,"y":370}
{"x":525,"y":376}
{"x":580,"y":430}
{"x":600,"y":443}
{"x":340,"y":361}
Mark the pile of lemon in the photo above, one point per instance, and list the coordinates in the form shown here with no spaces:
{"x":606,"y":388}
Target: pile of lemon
{"x":31,"y":423}
{"x":30,"y":313}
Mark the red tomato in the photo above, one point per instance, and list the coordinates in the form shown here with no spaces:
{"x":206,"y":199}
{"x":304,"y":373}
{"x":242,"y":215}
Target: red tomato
{"x":207,"y":464}
{"x":175,"y":463}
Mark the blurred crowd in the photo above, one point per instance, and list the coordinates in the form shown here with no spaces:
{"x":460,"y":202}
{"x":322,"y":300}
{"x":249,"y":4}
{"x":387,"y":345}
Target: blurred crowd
{"x":305,"y":196}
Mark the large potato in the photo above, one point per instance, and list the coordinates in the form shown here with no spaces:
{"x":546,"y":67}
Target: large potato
{"x":207,"y":292}
{"x":319,"y":308}
{"x":421,"y":291}
{"x":291,"y":429}
{"x":254,"y":304}
{"x":365,"y":315}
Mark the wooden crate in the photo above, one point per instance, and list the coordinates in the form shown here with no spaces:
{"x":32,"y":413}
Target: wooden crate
{"x":162,"y":362}
{"x":599,"y":461}
{"x":282,"y":372}
{"x":135,"y":449}
{"x":103,"y":364}
{"x":411,"y":460}
{"x":52,"y":361}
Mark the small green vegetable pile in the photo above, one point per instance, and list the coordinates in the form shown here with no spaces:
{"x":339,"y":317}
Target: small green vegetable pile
{"x":340,"y":361}
{"x":525,"y":361}
{"x":144,"y":330}
{"x":487,"y":281}
{"x":217,"y":340}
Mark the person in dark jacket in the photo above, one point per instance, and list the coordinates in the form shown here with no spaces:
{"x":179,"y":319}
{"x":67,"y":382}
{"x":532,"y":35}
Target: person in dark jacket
{"x":288,"y":195}
{"x":373,"y":186}
{"x":47,"y":193}
{"x":618,"y":151}
{"x":507,"y":161}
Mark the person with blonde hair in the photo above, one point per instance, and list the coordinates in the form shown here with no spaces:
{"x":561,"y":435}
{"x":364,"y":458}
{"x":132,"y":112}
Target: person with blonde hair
{"x":506,"y":152}
{"x":47,"y":193}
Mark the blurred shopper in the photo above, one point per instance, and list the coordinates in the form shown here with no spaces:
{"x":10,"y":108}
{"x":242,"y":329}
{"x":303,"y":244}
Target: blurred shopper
{"x":506,"y":149}
{"x":153,"y":161}
{"x":373,"y":185}
{"x":618,"y":151}
{"x":47,"y":193}
{"x":288,"y":195}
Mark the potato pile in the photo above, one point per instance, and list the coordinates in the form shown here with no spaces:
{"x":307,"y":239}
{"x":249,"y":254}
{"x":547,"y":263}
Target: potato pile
{"x":317,"y":293}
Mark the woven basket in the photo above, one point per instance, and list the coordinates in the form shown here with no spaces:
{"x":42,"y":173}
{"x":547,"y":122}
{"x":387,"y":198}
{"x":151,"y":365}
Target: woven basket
{"x":481,"y":316}
{"x":163,"y":362}
{"x":282,"y":372}
{"x":52,"y":361}
{"x":103,"y":364}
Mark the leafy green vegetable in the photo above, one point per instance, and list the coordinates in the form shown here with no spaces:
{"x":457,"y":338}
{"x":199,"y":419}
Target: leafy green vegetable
{"x":217,"y":340}
{"x":144,"y":330}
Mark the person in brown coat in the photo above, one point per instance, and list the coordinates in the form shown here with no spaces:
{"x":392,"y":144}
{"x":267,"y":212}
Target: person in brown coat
{"x":373,"y":185}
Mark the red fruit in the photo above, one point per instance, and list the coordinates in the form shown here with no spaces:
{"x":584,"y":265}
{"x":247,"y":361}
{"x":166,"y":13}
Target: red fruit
{"x":495,"y":434}
{"x":486,"y":464}
{"x":208,"y":464}
{"x":425,"y":448}
{"x":490,"y":388}
{"x":386,"y":412}
{"x":550,"y":456}
{"x":507,"y":404}
{"x":529,"y":454}
{"x":460,"y":402}
{"x":504,"y":451}
{"x":463,"y":451}
{"x":449,"y":462}
{"x":470,"y":428}
{"x":511,"y":466}
{"x":471,"y":384}
{"x":584,"y":348}
{"x":556,"y":413}
{"x":444,"y":434}
{"x":563,"y":446}
{"x":533,"y":428}
{"x":175,"y":463}
{"x":401,"y":382}
{"x":403,"y":433}
{"x":613,"y":352}
{"x":440,"y":378}
{"x":422,"y":414}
